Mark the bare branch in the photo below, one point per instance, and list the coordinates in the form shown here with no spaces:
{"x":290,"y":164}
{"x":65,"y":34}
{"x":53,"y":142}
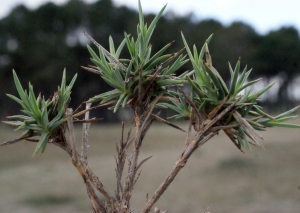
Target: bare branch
{"x":187,"y":140}
{"x":120,"y":161}
{"x":98,"y":207}
{"x":63,"y":146}
{"x":142,"y":162}
{"x":139,"y":174}
{"x":167,"y":122}
{"x":15,"y":140}
{"x":89,"y":121}
{"x":98,"y":184}
{"x":85,"y":135}
{"x":69,"y":115}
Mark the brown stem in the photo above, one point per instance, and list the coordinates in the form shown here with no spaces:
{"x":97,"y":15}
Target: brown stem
{"x":69,"y":115}
{"x":85,"y":172}
{"x":98,"y":207}
{"x":201,"y":137}
{"x":85,"y":134}
{"x":180,"y":163}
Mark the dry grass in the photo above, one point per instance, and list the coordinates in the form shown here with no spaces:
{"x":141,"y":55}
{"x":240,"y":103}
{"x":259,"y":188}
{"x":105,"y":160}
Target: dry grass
{"x":218,"y":176}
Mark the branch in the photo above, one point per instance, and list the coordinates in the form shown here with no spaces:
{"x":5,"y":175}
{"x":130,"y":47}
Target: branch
{"x":98,"y":207}
{"x":201,"y":137}
{"x":167,"y":122}
{"x":85,"y":135}
{"x":16,"y":140}
{"x":120,"y":160}
{"x":98,"y":184}
{"x":69,"y":115}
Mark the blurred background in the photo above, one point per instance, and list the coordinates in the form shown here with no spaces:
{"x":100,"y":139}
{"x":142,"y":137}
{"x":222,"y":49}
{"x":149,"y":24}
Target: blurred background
{"x":40,"y":38}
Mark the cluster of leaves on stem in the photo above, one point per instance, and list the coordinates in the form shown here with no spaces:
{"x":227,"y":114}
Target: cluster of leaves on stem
{"x":147,"y":73}
{"x":41,"y":117}
{"x":145,"y":77}
{"x":210,"y":94}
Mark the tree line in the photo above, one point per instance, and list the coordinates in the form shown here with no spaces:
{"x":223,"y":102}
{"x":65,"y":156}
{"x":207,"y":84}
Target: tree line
{"x":40,"y":43}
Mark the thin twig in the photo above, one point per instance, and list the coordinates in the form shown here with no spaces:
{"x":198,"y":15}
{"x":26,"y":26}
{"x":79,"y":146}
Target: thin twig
{"x":98,"y":184}
{"x":142,"y":162}
{"x":120,"y":161}
{"x":69,"y":115}
{"x":96,"y":204}
{"x":16,"y":140}
{"x":89,"y":121}
{"x":188,"y":136}
{"x":167,"y":122}
{"x":85,"y":135}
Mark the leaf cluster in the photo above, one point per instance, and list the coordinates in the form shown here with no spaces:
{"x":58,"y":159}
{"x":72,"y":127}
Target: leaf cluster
{"x":41,"y":117}
{"x":210,"y":95}
{"x":144,"y":75}
{"x":144,"y":80}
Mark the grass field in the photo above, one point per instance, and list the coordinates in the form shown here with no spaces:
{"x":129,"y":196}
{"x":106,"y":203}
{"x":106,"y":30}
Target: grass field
{"x":218,"y":176}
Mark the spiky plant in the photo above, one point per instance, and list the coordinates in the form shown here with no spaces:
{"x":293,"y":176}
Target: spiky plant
{"x":142,"y":77}
{"x":210,"y":95}
{"x":142,"y":82}
{"x":41,"y":117}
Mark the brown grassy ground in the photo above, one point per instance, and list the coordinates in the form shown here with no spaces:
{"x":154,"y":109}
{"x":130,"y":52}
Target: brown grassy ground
{"x":218,"y":176}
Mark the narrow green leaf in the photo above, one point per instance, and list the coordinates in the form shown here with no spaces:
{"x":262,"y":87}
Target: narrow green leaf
{"x":152,"y":25}
{"x":112,"y":46}
{"x":259,"y":111}
{"x":16,"y":99}
{"x":158,"y":54}
{"x":287,"y":125}
{"x":120,"y":48}
{"x":287,"y":112}
{"x":246,"y":85}
{"x":41,"y":146}
{"x":121,"y":98}
{"x":201,"y":54}
{"x":215,"y":81}
{"x":157,"y":62}
{"x":92,"y":52}
{"x":259,"y":93}
{"x":20,"y":90}
{"x":234,"y":78}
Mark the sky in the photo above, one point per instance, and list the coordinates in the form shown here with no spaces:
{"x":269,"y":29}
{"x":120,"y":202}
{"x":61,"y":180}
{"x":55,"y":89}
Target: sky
{"x":262,"y":15}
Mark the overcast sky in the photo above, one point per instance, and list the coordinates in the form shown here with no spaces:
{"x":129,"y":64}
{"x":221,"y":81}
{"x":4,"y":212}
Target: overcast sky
{"x":263,"y":15}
